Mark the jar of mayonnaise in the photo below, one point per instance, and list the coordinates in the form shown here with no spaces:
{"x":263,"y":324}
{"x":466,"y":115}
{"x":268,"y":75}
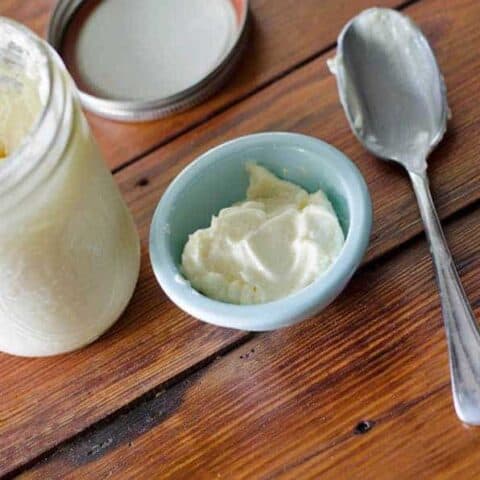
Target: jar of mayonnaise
{"x":69,"y":250}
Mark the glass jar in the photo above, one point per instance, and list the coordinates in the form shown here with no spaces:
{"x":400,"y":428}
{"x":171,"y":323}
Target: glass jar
{"x":69,"y":250}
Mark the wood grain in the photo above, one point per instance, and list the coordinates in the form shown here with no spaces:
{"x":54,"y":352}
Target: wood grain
{"x":290,"y":404}
{"x":45,"y":401}
{"x":282,"y":36}
{"x":34,"y":14}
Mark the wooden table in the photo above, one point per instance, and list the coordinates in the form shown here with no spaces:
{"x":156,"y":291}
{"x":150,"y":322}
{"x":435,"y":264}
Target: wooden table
{"x":360,"y":391}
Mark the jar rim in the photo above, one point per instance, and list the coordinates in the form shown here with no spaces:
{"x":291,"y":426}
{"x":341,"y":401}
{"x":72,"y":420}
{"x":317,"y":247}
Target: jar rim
{"x":24,"y":48}
{"x":32,"y":54}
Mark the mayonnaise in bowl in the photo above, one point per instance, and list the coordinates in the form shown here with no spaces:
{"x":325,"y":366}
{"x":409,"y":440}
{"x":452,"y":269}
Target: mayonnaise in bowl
{"x":219,"y":179}
{"x":274,"y":243}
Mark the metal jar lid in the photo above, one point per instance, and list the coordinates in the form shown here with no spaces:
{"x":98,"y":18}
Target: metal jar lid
{"x":145,"y":59}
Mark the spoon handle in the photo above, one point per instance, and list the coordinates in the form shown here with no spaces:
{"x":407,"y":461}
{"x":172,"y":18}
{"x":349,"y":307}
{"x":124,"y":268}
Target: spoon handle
{"x":463,"y":334}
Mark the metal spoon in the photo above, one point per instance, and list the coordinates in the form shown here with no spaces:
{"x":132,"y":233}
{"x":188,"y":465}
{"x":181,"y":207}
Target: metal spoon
{"x":394,"y":97}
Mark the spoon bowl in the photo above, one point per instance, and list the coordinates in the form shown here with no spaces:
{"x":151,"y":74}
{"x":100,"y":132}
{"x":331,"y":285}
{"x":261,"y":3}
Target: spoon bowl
{"x":391,"y":87}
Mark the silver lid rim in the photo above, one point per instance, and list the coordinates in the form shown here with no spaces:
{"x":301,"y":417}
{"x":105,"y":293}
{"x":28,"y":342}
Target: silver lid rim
{"x":142,"y":111}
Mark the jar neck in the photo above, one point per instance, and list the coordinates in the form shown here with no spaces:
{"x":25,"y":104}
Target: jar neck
{"x":41,"y":150}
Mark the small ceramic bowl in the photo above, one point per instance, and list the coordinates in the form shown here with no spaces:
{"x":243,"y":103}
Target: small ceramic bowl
{"x":217,"y":179}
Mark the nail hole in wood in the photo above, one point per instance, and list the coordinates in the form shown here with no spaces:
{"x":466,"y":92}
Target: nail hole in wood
{"x":143,"y":182}
{"x":247,"y":355}
{"x":363,"y":427}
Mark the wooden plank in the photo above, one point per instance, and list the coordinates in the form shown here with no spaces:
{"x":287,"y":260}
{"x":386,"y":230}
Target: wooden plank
{"x":361,"y":391}
{"x":33,"y":14}
{"x":282,"y":36}
{"x":46,"y":402}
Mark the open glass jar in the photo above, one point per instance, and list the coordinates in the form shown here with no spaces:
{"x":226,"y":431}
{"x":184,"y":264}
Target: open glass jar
{"x":69,"y":250}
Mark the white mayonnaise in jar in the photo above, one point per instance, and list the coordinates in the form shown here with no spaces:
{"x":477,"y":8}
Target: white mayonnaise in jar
{"x":69,"y":250}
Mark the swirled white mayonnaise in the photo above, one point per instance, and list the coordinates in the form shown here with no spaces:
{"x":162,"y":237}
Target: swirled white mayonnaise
{"x":276,"y":242}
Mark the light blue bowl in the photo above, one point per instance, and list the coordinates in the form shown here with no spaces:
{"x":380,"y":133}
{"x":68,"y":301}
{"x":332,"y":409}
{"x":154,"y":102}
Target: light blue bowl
{"x":216,"y":180}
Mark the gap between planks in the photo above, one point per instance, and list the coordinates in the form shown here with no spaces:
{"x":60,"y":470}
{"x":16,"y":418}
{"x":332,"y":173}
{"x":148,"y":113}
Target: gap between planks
{"x":136,"y":404}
